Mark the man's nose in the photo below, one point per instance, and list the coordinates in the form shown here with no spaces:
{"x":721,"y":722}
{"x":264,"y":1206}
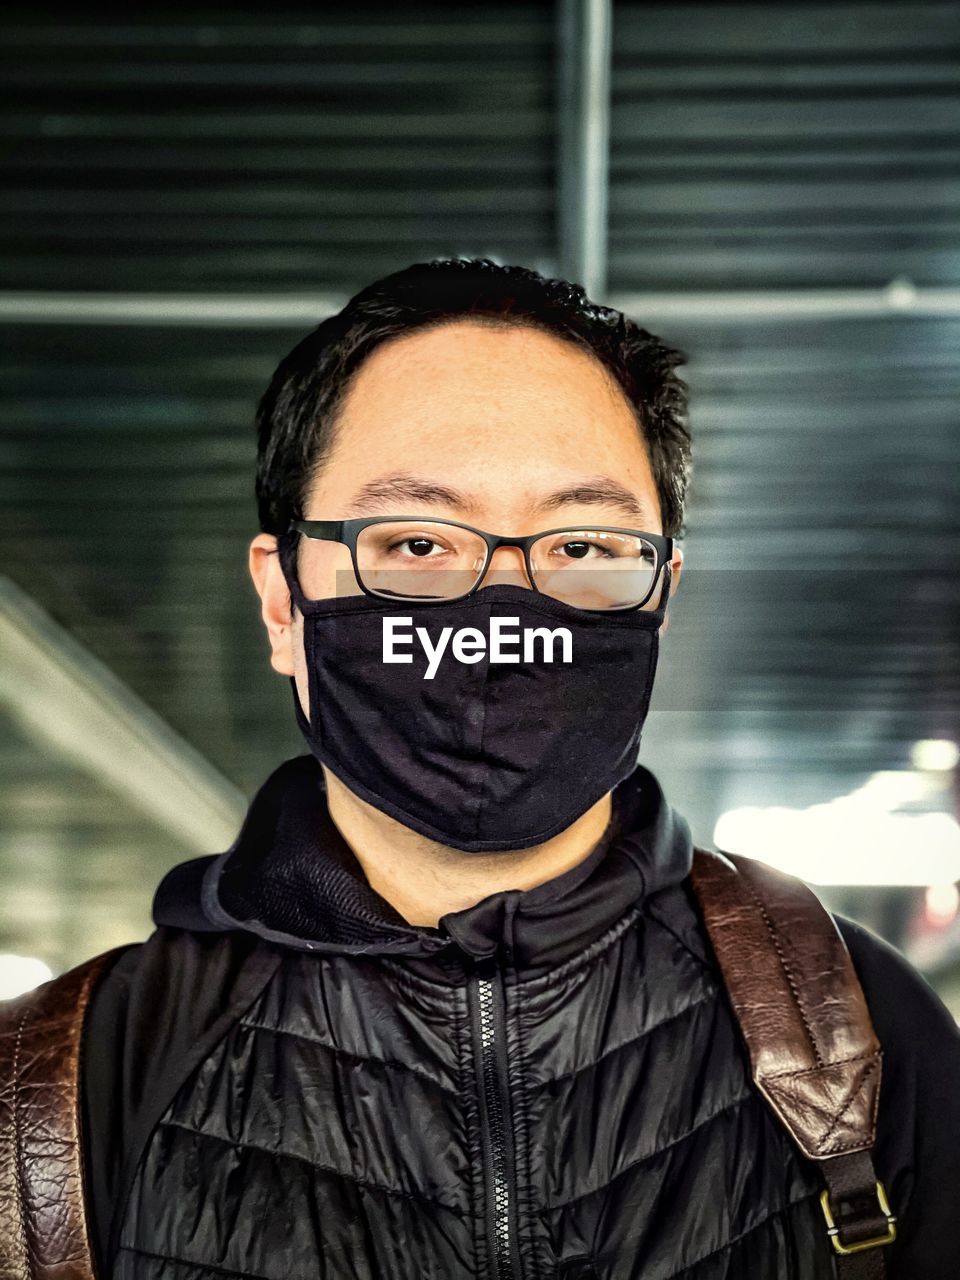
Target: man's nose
{"x":506,"y":568}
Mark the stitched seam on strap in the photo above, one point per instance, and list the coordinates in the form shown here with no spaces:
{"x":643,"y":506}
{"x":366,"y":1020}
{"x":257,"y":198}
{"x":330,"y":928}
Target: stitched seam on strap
{"x":809,"y":1071}
{"x":17,"y":1147}
{"x":857,"y":1145}
{"x":788,"y":974}
{"x":840,"y":1114}
{"x":84,"y":1223}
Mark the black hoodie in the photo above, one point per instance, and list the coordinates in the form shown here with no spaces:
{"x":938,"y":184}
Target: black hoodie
{"x":226,"y":924}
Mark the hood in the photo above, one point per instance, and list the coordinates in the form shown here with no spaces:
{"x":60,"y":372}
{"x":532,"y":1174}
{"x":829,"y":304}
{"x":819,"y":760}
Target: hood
{"x":291,"y":878}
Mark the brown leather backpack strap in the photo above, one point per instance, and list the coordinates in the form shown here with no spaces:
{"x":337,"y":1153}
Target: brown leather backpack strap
{"x":43,"y":1221}
{"x":814,"y":1054}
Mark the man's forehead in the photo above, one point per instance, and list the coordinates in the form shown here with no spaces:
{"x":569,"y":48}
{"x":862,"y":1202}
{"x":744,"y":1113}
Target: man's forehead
{"x":465,"y":357}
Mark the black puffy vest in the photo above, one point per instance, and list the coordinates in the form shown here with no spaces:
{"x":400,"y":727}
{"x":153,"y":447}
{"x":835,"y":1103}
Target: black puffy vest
{"x":550,"y":1084}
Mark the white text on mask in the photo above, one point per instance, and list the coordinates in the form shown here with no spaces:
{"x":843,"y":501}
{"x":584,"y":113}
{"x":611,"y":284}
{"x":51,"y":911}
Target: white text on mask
{"x":469,"y":644}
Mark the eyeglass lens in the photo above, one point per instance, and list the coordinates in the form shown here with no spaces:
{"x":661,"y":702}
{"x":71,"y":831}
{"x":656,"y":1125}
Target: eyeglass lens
{"x":430,"y":560}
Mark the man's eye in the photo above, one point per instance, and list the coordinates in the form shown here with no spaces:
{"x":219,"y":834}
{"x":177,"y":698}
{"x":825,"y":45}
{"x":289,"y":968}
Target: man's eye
{"x":580,"y":550}
{"x":418,"y":546}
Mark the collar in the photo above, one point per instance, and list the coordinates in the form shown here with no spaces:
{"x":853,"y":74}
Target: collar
{"x":291,"y":878}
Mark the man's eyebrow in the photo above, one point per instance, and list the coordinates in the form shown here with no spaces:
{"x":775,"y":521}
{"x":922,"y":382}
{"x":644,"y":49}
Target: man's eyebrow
{"x":387,"y":491}
{"x":598,"y":491}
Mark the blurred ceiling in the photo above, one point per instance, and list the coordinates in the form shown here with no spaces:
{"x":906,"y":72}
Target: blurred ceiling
{"x":772,"y":169}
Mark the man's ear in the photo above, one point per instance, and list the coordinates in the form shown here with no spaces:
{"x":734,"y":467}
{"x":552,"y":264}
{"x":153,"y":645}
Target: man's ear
{"x":676,"y":566}
{"x":275,"y":605}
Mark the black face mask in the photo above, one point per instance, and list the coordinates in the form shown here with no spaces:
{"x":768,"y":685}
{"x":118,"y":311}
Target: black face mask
{"x":485,"y":756}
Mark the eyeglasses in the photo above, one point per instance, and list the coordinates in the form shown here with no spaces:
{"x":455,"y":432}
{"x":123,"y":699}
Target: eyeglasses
{"x":431,"y":561}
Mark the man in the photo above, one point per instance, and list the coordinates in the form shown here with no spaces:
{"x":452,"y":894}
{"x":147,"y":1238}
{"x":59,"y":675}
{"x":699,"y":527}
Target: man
{"x":447,"y":1008}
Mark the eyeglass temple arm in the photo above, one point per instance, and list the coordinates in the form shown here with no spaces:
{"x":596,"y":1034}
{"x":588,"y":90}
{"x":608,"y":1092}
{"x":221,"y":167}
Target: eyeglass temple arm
{"x":327,"y":530}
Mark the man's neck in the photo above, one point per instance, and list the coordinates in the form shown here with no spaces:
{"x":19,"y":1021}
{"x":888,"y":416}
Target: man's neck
{"x":423,"y":880}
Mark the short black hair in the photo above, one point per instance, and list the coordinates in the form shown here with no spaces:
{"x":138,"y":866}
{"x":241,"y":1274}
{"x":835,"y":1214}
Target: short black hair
{"x":297,"y":414}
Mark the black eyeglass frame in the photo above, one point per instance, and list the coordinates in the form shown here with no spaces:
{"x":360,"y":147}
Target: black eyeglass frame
{"x":348,"y":531}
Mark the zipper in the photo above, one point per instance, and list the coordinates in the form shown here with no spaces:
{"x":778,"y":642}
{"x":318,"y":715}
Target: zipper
{"x":486,"y":998}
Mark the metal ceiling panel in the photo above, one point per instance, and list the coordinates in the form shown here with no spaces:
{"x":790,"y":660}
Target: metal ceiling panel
{"x":232,"y":153}
{"x":785,"y":145}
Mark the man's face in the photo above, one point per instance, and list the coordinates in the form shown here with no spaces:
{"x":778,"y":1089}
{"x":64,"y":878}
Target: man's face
{"x":508,"y":429}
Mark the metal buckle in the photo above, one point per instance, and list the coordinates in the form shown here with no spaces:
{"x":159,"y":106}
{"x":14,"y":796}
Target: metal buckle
{"x":833,"y":1231}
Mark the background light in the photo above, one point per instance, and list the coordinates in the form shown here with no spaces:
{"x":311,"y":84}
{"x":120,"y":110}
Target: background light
{"x":857,"y":839}
{"x":935,"y":754}
{"x":21,"y":973}
{"x":942,"y":903}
